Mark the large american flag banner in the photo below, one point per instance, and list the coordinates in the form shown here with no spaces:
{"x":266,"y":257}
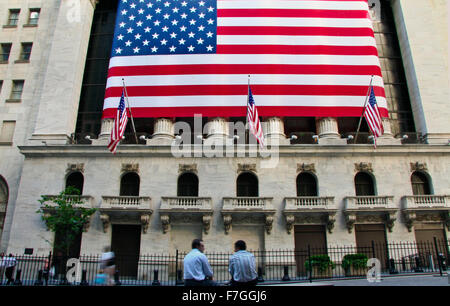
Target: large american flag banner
{"x":186,"y":57}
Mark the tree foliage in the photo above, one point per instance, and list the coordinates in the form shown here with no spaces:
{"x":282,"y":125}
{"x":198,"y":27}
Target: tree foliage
{"x":65,"y":215}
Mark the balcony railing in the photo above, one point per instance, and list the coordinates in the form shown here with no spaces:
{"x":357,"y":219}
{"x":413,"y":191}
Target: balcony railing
{"x":426,"y":201}
{"x":247,"y":203}
{"x":124,"y":202}
{"x":369,"y":202}
{"x":82,"y":200}
{"x":309,"y":203}
{"x":186,"y":203}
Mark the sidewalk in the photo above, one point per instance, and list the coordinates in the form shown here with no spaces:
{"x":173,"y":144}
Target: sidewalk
{"x":414,"y":280}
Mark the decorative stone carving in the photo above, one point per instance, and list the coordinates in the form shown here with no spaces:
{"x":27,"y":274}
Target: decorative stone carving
{"x":182,"y":168}
{"x":290,"y":219}
{"x":165,"y":221}
{"x":106,"y":221}
{"x":330,"y":222}
{"x":75,"y":168}
{"x":86,"y":226}
{"x":410,"y":218}
{"x":145,"y":220}
{"x":246,"y":167}
{"x":390,"y":221}
{"x":130,"y":168}
{"x":367,"y":167}
{"x":206,"y":219}
{"x":227,"y":223}
{"x":350,"y":219}
{"x":369,"y":219}
{"x":306,"y":167}
{"x":269,"y":224}
{"x":447,"y":220}
{"x":418,"y":166}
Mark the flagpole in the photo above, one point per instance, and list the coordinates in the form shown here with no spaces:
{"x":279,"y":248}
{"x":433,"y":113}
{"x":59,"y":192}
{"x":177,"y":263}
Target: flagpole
{"x":364,"y":109}
{"x":129,"y":108}
{"x":246,"y":116}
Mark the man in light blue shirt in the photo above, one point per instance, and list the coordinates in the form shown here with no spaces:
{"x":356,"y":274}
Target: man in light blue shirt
{"x":242,"y":266}
{"x":197,"y":271}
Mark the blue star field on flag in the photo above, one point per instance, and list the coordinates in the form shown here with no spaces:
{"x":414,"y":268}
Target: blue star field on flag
{"x":154,"y":27}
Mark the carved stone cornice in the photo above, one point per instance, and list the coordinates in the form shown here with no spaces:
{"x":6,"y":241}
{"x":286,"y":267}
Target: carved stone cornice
{"x":130,"y":168}
{"x":306,"y":168}
{"x":366,"y":167}
{"x":417,"y":166}
{"x":246,"y":168}
{"x":75,"y":168}
{"x":182,"y":168}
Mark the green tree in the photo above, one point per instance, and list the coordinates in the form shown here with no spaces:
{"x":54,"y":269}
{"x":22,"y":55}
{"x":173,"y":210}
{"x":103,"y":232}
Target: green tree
{"x":65,"y":216}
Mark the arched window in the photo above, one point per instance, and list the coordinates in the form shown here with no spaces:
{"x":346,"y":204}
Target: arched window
{"x":306,"y":185}
{"x":76,"y":180}
{"x":129,"y":184}
{"x":187,"y":185}
{"x":420,"y":184}
{"x":247,"y":185}
{"x":364,"y":185}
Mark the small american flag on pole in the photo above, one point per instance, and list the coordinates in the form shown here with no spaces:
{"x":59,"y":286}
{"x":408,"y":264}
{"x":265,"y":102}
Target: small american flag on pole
{"x":373,"y":117}
{"x":253,"y":119}
{"x":120,"y":123}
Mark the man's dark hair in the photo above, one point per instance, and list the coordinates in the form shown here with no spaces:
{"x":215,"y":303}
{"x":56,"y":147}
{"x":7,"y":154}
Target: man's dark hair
{"x":196,"y":243}
{"x":240,"y":244}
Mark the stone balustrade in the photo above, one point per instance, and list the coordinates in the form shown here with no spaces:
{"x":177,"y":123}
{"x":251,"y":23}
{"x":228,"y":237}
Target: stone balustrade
{"x":124,"y":202}
{"x":130,"y":209}
{"x":426,"y":201}
{"x":247,"y":203}
{"x":309,"y":203}
{"x":79,"y":200}
{"x":369,"y":202}
{"x":186,"y":203}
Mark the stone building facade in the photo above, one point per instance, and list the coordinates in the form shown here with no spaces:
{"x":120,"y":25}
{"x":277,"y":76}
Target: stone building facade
{"x":158,"y":201}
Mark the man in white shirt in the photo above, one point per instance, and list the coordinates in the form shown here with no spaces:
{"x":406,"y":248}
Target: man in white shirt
{"x":197,"y":271}
{"x":242,"y":266}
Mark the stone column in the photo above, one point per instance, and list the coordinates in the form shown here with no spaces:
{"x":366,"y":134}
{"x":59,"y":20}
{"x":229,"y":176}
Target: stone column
{"x":274,"y":131}
{"x":217,"y":130}
{"x":105,"y":132}
{"x":387,"y":138}
{"x":61,"y":84}
{"x":328,"y":131}
{"x":163,"y":133}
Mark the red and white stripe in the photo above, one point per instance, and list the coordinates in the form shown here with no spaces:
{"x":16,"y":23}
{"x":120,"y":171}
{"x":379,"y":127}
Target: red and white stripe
{"x":120,"y":123}
{"x":255,"y":124}
{"x":306,"y":58}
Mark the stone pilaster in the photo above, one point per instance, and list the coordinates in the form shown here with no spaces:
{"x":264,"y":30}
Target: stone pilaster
{"x":274,"y":133}
{"x":61,"y":86}
{"x":164,"y":132}
{"x":328,"y":131}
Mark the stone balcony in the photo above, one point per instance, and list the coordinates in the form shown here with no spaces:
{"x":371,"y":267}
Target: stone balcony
{"x":426,"y":208}
{"x":186,"y":209}
{"x":248,"y":209}
{"x":310,"y":210}
{"x":370,"y":209}
{"x":125,"y":209}
{"x":82,"y":201}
